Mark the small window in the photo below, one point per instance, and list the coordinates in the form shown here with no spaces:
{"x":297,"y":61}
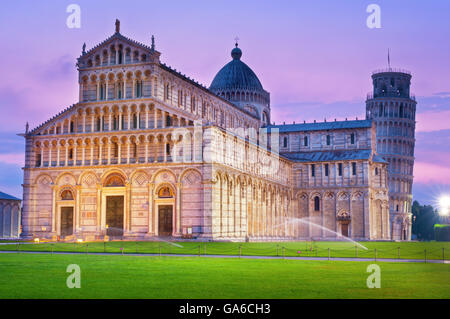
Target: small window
{"x":71,"y":127}
{"x":316,"y":203}
{"x":305,"y":141}
{"x":71,"y":153}
{"x":326,"y":169}
{"x":313,"y":170}
{"x":168,"y":149}
{"x":340,"y":169}
{"x":285,"y":141}
{"x":396,"y":208}
{"x":353,"y":168}
{"x":115,"y":149}
{"x":135,"y":121}
{"x":376,"y":170}
{"x":352,"y":138}
{"x":328,"y":140}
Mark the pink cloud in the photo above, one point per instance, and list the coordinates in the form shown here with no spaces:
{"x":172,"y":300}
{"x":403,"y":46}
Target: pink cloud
{"x":427,"y":173}
{"x":13,"y":158}
{"x":433,"y":121}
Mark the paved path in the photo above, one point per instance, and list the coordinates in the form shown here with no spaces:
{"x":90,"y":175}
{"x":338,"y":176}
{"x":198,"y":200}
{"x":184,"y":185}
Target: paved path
{"x":434,"y":261}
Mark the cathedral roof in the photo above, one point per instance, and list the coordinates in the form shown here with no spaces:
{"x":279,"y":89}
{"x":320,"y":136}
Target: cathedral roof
{"x":303,"y":127}
{"x":335,"y":155}
{"x":236,"y":75}
{"x":6,"y":196}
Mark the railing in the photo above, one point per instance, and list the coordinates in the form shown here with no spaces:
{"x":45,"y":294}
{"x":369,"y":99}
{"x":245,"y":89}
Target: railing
{"x":371,"y":96}
{"x":387,"y":70}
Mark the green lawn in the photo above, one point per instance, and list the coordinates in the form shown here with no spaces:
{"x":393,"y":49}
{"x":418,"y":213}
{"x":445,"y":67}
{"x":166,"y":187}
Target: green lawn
{"x":415,"y":250}
{"x":44,"y":276}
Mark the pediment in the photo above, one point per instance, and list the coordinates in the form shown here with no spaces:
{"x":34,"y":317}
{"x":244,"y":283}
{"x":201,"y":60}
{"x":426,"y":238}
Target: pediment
{"x":132,"y":51}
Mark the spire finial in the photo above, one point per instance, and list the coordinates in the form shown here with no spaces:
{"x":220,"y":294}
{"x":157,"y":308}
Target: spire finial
{"x":153,"y":42}
{"x":389,"y":60}
{"x":27,"y":127}
{"x":84,"y":48}
{"x":236,"y":39}
{"x":117,"y":25}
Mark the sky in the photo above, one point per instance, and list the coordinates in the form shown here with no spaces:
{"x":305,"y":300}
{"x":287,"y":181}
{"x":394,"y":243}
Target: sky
{"x":314,"y":57}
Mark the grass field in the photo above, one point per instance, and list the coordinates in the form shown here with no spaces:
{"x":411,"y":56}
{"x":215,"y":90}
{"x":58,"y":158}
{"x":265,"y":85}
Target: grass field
{"x":44,"y":276}
{"x":412,"y":250}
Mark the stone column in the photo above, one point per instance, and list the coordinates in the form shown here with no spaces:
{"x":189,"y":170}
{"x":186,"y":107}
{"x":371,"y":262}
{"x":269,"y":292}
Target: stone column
{"x":156,"y":118}
{"x":74,"y":159}
{"x":99,"y":209}
{"x":58,"y":151}
{"x":146,"y":151}
{"x":54,"y":212}
{"x":178,"y":211}
{"x":77,"y":208}
{"x":50,"y":154}
{"x":119,"y":152}
{"x":109,"y":152}
{"x":151,"y":212}
{"x":128,"y":152}
{"x":67,"y":156}
{"x":146,"y":117}
{"x":127,"y":221}
{"x":174,"y":152}
{"x":42,"y":156}
{"x":83,"y":153}
{"x":138,"y":120}
{"x":100,"y":147}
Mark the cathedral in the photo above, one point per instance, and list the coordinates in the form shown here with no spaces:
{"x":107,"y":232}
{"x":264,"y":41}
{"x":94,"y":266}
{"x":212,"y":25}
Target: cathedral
{"x":147,"y":152}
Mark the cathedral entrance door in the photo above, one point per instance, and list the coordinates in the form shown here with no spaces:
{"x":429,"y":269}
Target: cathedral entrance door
{"x":345,"y":230}
{"x":165,"y":220}
{"x":66,"y":221}
{"x":114,"y":216}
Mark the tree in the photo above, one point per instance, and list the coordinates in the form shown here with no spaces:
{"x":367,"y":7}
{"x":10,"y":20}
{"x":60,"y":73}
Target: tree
{"x":423,"y":220}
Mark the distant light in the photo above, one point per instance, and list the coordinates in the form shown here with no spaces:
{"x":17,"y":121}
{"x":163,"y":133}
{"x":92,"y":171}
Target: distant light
{"x":79,"y":240}
{"x":36,"y":240}
{"x":444,"y":205}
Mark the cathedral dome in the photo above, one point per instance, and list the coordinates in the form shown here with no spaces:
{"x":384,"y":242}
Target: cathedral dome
{"x":237,"y":83}
{"x":236,"y":75}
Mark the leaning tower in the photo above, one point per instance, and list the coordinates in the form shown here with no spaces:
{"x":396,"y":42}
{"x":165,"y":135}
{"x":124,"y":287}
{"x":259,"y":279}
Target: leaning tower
{"x":393,"y":109}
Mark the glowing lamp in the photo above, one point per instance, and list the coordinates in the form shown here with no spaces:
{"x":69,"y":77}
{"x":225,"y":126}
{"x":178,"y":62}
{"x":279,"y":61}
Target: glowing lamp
{"x":79,"y":240}
{"x":36,"y":240}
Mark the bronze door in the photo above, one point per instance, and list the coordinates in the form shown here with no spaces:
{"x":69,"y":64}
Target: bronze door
{"x":114,"y":216}
{"x":165,"y":220}
{"x":66,"y":221}
{"x":345,"y":230}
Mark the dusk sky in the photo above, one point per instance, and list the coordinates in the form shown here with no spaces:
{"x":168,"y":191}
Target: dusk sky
{"x":314,"y":57}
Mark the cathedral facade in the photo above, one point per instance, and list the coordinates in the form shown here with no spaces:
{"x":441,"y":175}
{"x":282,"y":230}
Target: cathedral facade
{"x":148,"y":152}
